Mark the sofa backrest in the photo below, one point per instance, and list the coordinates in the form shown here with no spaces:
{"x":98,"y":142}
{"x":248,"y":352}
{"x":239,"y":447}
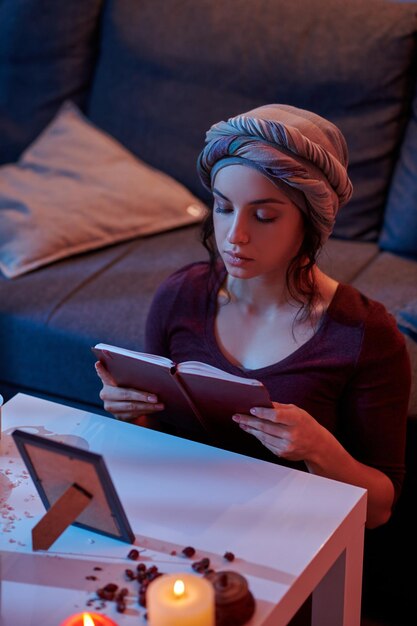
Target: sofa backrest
{"x":48,"y":51}
{"x":157,"y":73}
{"x":169,"y":69}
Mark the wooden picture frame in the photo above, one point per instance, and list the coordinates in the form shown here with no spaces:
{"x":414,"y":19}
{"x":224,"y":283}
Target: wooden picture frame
{"x":75,"y":488}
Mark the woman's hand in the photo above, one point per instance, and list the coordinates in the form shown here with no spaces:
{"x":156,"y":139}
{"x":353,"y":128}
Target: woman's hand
{"x":291,"y":433}
{"x":286,"y":430}
{"x":125,"y":404}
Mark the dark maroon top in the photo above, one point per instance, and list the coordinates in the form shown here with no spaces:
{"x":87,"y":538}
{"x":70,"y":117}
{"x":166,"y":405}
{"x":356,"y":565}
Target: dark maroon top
{"x":353,"y":376}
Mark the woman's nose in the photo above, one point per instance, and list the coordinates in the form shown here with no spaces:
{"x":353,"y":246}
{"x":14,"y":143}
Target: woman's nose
{"x":238,"y":232}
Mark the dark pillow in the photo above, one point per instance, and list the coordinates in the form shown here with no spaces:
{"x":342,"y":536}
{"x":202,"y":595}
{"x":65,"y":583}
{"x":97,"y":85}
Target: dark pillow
{"x":47,"y":54}
{"x":168,"y":70}
{"x":399,"y":233}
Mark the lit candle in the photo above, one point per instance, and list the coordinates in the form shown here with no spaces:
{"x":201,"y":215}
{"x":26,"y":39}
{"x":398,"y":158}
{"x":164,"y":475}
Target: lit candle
{"x":180,"y":600}
{"x":88,"y":619}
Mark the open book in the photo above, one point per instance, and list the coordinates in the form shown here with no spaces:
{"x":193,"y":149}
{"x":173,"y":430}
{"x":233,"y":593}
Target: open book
{"x":194,"y":393}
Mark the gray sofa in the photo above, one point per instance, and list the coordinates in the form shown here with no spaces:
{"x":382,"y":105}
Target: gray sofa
{"x":154,"y":74}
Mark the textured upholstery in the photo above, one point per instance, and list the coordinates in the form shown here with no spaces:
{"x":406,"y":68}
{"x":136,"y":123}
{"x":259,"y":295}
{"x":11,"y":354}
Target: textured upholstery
{"x":399,"y":232}
{"x":170,"y":79}
{"x":54,"y":315}
{"x":47,"y":55}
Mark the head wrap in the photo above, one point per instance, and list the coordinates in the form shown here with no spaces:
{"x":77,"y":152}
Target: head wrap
{"x":299,"y":151}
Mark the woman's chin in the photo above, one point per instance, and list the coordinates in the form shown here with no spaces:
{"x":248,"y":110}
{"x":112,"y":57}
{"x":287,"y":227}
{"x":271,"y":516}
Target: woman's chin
{"x":240,"y":271}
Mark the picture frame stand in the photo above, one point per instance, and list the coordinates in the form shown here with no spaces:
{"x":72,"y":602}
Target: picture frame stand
{"x":62,"y":514}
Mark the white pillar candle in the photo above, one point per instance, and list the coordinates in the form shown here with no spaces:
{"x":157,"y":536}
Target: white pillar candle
{"x":170,"y":604}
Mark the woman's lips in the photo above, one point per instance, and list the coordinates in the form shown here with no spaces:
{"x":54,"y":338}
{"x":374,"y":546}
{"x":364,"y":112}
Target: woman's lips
{"x":236,"y":259}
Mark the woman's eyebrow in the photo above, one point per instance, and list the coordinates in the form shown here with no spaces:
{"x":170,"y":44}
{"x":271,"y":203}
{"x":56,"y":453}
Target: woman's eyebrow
{"x":218,"y":193}
{"x":267,"y":201}
{"x":259,"y":201}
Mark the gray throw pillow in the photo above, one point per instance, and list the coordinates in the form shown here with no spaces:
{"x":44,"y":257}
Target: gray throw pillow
{"x":77,"y":189}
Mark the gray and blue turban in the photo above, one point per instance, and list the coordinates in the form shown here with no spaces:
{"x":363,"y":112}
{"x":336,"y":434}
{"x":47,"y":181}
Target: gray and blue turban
{"x":302,"y":153}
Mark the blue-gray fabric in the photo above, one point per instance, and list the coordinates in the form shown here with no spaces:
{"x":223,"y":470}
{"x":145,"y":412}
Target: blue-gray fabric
{"x":407,"y":320}
{"x":399,"y":232}
{"x":47,"y":55}
{"x":49,"y":319}
{"x":162,"y":82}
{"x":288,"y":145}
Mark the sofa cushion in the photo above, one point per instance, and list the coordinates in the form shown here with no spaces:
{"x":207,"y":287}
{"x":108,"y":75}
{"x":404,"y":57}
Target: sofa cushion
{"x":76,"y":189}
{"x":344,"y":260}
{"x":99,"y":296}
{"x":399,"y":233}
{"x":167,"y":71}
{"x":47,"y":54}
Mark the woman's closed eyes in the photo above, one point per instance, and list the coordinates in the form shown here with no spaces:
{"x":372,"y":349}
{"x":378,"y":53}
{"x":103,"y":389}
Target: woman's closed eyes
{"x":261,"y":215}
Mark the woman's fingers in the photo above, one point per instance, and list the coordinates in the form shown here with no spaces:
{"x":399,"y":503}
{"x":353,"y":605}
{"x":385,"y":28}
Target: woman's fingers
{"x":260,"y":424}
{"x":120,"y":400}
{"x":111,"y":391}
{"x":124,"y":394}
{"x":104,"y":375}
{"x":125,"y":403}
{"x":132,"y":406}
{"x":286,"y":429}
{"x":280,"y":413}
{"x":277,"y":445}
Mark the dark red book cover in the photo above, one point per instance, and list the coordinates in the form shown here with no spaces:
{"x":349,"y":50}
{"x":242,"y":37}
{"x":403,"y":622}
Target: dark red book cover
{"x":192,"y":400}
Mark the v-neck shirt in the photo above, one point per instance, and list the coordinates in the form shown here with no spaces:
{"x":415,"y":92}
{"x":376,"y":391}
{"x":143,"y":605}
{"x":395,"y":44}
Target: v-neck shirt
{"x":352,"y":375}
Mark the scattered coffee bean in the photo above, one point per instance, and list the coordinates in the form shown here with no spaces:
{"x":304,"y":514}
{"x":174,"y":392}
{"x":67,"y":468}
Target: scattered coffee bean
{"x":129,"y":574}
{"x":97,"y":568}
{"x":122,"y":593}
{"x":133,"y":554}
{"x":189,"y":552}
{"x":120,"y":606}
{"x":105,"y":595}
{"x":201,"y":566}
{"x":91,"y":577}
{"x":229,"y":556}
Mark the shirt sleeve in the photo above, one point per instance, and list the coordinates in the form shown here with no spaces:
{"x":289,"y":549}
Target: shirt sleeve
{"x":375,"y":402}
{"x":167,"y":304}
{"x":156,"y":322}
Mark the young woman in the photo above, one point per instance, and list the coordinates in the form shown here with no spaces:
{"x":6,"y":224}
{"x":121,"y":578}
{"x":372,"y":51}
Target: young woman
{"x":333,"y":360}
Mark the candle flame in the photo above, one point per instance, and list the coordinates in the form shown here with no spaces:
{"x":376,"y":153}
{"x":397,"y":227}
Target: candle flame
{"x":179,"y":588}
{"x":87,"y":620}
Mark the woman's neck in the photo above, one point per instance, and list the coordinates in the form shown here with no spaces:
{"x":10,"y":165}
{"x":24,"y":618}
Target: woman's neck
{"x":257,"y":295}
{"x":266,"y":295}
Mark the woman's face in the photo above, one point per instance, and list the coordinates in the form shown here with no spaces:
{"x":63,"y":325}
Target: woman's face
{"x":258,"y":229}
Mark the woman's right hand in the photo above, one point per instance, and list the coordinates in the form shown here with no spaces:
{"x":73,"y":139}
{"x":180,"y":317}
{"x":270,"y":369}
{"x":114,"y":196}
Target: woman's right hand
{"x":125,"y":404}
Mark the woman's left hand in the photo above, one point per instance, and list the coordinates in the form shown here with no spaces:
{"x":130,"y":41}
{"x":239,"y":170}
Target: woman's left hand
{"x":286,"y":430}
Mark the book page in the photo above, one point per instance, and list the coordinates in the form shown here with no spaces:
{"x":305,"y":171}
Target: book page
{"x":142,"y":356}
{"x":203,"y":369}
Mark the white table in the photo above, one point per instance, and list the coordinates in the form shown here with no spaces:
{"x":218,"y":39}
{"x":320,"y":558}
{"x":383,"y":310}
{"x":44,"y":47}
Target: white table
{"x":292,"y":533}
